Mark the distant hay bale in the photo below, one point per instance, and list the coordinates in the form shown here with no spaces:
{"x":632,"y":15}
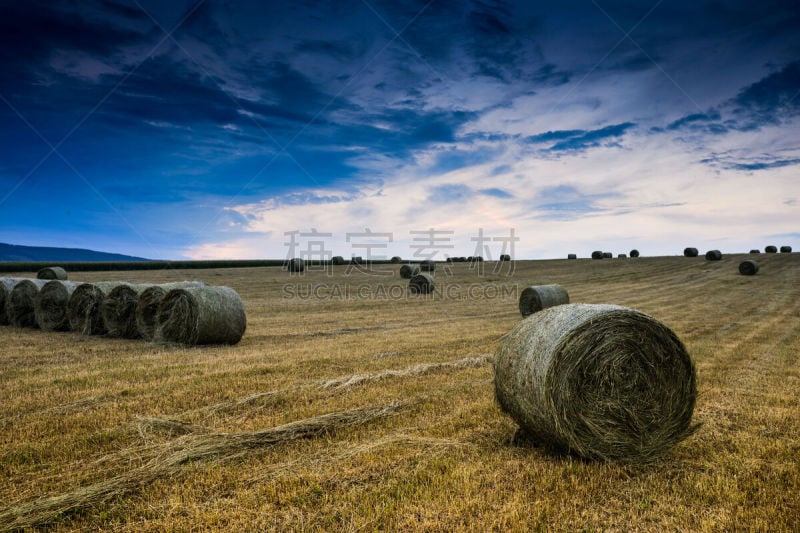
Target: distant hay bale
{"x":713,"y":255}
{"x":54,"y":272}
{"x":421,"y":284}
{"x":572,"y":256}
{"x":84,"y":307}
{"x":449,"y":260}
{"x":337,"y":260}
{"x":755,"y":251}
{"x":357,"y":260}
{"x":537,"y":297}
{"x":6,"y":285}
{"x":634,"y":253}
{"x":479,"y":258}
{"x":21,"y":303}
{"x":148,"y":302}
{"x":409,"y":271}
{"x":396,"y":259}
{"x":201,"y":315}
{"x":50,"y":305}
{"x":600,"y":381}
{"x":621,"y":256}
{"x":771,"y":249}
{"x":786,"y":249}
{"x":690,"y":252}
{"x":748,"y":268}
{"x":470,"y":259}
{"x":505,"y":257}
{"x":607,"y":255}
{"x":597,"y":254}
{"x":295,"y":264}
{"x":119,"y":310}
{"x":427,"y":266}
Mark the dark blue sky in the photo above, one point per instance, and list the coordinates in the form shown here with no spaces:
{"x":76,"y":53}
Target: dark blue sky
{"x":211,"y":129}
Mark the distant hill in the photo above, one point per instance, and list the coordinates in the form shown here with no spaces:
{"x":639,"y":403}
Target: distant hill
{"x":14,"y":252}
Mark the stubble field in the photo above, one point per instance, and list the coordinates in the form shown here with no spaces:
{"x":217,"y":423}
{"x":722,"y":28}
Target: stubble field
{"x":79,"y":414}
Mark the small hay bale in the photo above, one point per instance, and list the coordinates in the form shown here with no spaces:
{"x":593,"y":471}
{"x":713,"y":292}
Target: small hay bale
{"x":50,"y":305}
{"x":6,"y":286}
{"x":470,"y":259}
{"x":427,"y":266}
{"x":771,"y":249}
{"x":537,"y":297}
{"x":690,"y":252}
{"x":337,"y":260}
{"x":607,"y":255}
{"x":21,"y":303}
{"x":357,"y":260}
{"x":634,"y":253}
{"x":409,"y":271}
{"x":505,"y":257}
{"x":786,"y":249}
{"x":713,"y":255}
{"x":83,"y":308}
{"x":54,"y":272}
{"x":748,"y":268}
{"x":597,"y":254}
{"x":449,"y":259}
{"x":295,"y":265}
{"x":603,"y":382}
{"x":479,"y":258}
{"x":421,"y":284}
{"x":621,"y":256}
{"x":396,"y":259}
{"x":148,"y":302}
{"x":201,"y":315}
{"x":755,"y":251}
{"x":572,"y":256}
{"x":119,"y":310}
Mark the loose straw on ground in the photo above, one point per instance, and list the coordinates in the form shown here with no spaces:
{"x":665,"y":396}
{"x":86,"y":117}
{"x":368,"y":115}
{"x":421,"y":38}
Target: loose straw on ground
{"x":148,"y":302}
{"x":50,"y":305}
{"x":84,"y":307}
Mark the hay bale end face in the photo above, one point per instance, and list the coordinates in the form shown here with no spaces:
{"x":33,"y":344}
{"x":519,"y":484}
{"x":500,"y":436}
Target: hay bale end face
{"x":6,"y":286}
{"x":597,"y":254}
{"x":572,"y":256}
{"x":786,"y":249}
{"x":537,"y":297}
{"x":421,"y":284}
{"x":713,"y":255}
{"x":84,"y":307}
{"x":634,"y":253}
{"x":21,"y":303}
{"x":600,"y":381}
{"x":427,"y":266}
{"x":295,"y":265}
{"x":771,"y":249}
{"x":748,"y":268}
{"x":50,"y":273}
{"x":119,"y":310}
{"x":409,"y":271}
{"x":148,"y":302}
{"x":755,"y":251}
{"x":50,"y":305}
{"x":201,"y":315}
{"x":690,"y":252}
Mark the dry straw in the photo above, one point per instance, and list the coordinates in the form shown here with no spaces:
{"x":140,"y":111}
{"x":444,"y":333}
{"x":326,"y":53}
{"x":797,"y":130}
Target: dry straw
{"x":538,"y":297}
{"x":201,"y":315}
{"x":713,"y":255}
{"x":119,"y":310}
{"x":50,"y":305}
{"x":421,"y":284}
{"x":771,"y":249}
{"x":148,"y":302}
{"x":690,"y":252}
{"x":786,"y":249}
{"x":748,"y":268}
{"x":409,"y":271}
{"x":21,"y":303}
{"x":83,"y":308}
{"x":600,"y":381}
{"x":54,"y":272}
{"x":6,"y":285}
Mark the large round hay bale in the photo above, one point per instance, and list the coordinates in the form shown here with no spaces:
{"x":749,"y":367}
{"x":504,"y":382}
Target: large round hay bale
{"x":537,"y":297}
{"x":6,"y":286}
{"x":690,"y":252}
{"x":201,"y":315}
{"x":337,"y":260}
{"x":148,"y":302}
{"x":54,"y":272}
{"x":295,"y":265}
{"x":748,"y":268}
{"x":396,"y":259}
{"x":607,"y":255}
{"x":786,"y":249}
{"x":427,"y":266}
{"x":572,"y":256}
{"x":409,"y":271}
{"x":597,"y":254}
{"x":421,"y":284}
{"x":600,"y":381}
{"x":50,"y":305}
{"x":755,"y":251}
{"x":622,"y":256}
{"x":771,"y":249}
{"x":21,"y":303}
{"x":713,"y":255}
{"x":357,"y":260}
{"x":505,"y":257}
{"x":84,"y":307}
{"x":634,"y":253}
{"x":119,"y":310}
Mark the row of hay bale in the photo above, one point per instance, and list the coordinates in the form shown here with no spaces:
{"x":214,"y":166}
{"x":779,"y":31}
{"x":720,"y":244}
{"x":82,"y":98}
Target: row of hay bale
{"x":188,"y":312}
{"x":599,"y":254}
{"x":716,"y":255}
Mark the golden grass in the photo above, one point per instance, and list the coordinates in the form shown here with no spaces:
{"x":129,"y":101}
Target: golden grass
{"x":79,"y":411}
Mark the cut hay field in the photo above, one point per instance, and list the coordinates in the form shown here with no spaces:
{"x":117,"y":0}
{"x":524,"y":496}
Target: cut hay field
{"x":125,"y":435}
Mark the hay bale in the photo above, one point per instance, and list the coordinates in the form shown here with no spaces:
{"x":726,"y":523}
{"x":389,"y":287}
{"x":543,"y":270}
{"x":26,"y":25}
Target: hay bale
{"x":201,"y":315}
{"x":54,"y":272}
{"x":396,"y":259}
{"x":597,"y":254}
{"x":21,"y":303}
{"x":357,"y":260}
{"x":748,"y":268}
{"x":755,"y":251}
{"x":50,"y":305}
{"x":504,"y":257}
{"x":337,"y":260}
{"x":713,"y":255}
{"x":621,"y":256}
{"x":409,"y":271}
{"x":690,"y":252}
{"x":537,"y":297}
{"x":421,"y":284}
{"x":771,"y":249}
{"x":634,"y":253}
{"x":119,"y":310}
{"x":295,"y":265}
{"x":786,"y":249}
{"x":148,"y":302}
{"x":572,"y":256}
{"x":427,"y":266}
{"x":600,"y":381}
{"x":607,"y":255}
{"x":83,"y":308}
{"x":6,"y":286}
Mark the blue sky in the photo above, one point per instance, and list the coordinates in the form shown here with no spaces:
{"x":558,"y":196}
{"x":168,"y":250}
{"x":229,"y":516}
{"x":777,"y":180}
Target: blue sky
{"x":215,"y":129}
